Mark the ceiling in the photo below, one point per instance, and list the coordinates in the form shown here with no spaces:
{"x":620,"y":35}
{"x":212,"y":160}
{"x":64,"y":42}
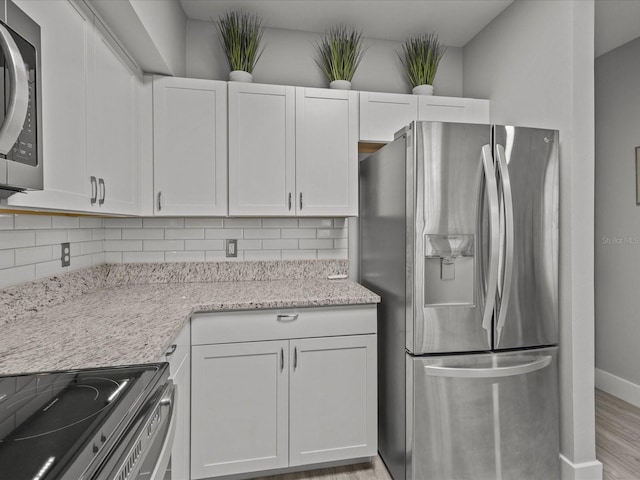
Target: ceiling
{"x":455,"y":21}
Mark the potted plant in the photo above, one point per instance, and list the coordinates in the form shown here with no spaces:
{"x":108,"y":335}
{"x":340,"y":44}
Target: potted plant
{"x":420,"y":57}
{"x":339,"y":54}
{"x":240,"y":35}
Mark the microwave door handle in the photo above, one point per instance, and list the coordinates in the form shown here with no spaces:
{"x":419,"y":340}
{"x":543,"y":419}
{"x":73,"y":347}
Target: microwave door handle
{"x":494,"y":239}
{"x":19,"y":101}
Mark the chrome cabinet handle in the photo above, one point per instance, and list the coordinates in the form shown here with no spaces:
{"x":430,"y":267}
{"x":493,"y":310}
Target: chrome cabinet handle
{"x":19,"y":101}
{"x":300,"y":200}
{"x":171,"y":350}
{"x":494,"y":235}
{"x":159,"y":201}
{"x":282,"y":359}
{"x":94,"y":190}
{"x":295,"y":358}
{"x":103,"y":190}
{"x":289,"y":200}
{"x":287,"y":318}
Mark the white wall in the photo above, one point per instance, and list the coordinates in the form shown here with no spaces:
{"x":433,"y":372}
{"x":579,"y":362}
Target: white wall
{"x":289,"y":55}
{"x":617,"y":245}
{"x":535,"y":63}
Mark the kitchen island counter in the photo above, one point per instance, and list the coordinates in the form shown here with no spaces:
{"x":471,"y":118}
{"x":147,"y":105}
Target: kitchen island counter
{"x":133,"y":322}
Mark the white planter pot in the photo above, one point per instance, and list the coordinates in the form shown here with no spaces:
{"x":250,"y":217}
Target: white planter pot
{"x":240,"y":76}
{"x":423,"y":90}
{"x":340,"y":85}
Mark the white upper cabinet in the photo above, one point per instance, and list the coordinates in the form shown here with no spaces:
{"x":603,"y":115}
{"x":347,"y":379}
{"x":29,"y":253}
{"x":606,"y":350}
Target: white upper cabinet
{"x":292,"y":151}
{"x":113,"y":124}
{"x":65,"y":30}
{"x":383,"y":114}
{"x":326,"y":152}
{"x":90,"y":107}
{"x":262,"y":167}
{"x":453,"y":109}
{"x":190,"y":146}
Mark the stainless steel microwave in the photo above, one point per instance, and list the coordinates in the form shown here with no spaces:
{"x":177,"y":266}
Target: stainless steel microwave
{"x":20,"y":112}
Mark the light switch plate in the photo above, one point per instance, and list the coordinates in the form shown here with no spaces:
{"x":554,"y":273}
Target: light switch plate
{"x":231,"y":247}
{"x":65,"y":255}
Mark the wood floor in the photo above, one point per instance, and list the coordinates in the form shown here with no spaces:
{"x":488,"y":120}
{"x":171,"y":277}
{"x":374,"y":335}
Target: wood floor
{"x":617,"y":437}
{"x":617,"y":447}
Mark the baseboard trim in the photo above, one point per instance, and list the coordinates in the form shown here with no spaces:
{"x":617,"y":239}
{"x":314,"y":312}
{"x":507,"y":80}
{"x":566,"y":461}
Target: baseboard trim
{"x":618,"y":387}
{"x":580,"y":471}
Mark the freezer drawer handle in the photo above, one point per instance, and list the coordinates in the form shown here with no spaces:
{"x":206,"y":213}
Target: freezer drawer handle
{"x":287,"y":318}
{"x":464,"y":372}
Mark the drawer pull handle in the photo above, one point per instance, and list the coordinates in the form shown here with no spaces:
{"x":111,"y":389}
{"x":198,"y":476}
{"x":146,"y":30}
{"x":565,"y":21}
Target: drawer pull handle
{"x":288,"y":318}
{"x":171,"y":350}
{"x":282,"y":359}
{"x":295,"y":358}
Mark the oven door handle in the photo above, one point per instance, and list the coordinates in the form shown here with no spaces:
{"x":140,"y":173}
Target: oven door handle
{"x":168,"y":400}
{"x":19,"y":101}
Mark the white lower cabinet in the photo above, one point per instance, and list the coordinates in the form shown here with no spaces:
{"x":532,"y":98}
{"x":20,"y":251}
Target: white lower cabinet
{"x":287,"y":402}
{"x":179,"y":358}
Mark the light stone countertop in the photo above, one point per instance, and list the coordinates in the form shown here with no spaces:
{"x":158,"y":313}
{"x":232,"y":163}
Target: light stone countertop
{"x":132,"y":323}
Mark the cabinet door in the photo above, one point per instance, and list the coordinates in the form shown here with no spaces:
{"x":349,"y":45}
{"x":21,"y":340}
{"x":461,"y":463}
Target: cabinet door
{"x":326,"y":152}
{"x":65,"y":29}
{"x":239,"y":408}
{"x":333,"y":398}
{"x":190,"y":146}
{"x":113,"y":124}
{"x":453,"y":109}
{"x":383,"y":114}
{"x":179,"y":358}
{"x":261,"y":149}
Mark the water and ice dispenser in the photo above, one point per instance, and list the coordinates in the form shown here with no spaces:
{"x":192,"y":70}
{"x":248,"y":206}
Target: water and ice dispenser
{"x":449,"y":270}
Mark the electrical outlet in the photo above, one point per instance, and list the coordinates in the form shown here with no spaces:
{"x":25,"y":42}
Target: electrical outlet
{"x":231,"y":247}
{"x":65,"y":255}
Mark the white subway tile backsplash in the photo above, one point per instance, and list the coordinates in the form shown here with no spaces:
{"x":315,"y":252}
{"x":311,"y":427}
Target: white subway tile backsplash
{"x":112,"y":234}
{"x":193,"y":256}
{"x":281,"y":244}
{"x":163,"y":222}
{"x":202,"y":223}
{"x":123,"y":245}
{"x":7,"y":258}
{"x":80,"y":235}
{"x":17,"y":239}
{"x":82,"y":261}
{"x":332,"y":254}
{"x":280,"y":223}
{"x":14,"y":276}
{"x":262,"y":255}
{"x":47,"y":269}
{"x":219,"y":256}
{"x":31,"y":222}
{"x":341,"y":243}
{"x":223,"y":233}
{"x":249,"y":244}
{"x":162,"y":245}
{"x":315,"y":222}
{"x":298,"y":233}
{"x":241,"y":223}
{"x":31,"y":255}
{"x":97,"y":234}
{"x":204,"y":245}
{"x":340,"y":223}
{"x":91,"y":222}
{"x":142,"y":257}
{"x":331,"y":233}
{"x":261,"y":233}
{"x":98,"y":258}
{"x":6,"y":222}
{"x":184,"y":233}
{"x":50,"y":237}
{"x":299,"y":254}
{"x":112,"y":257}
{"x":142,"y":234}
{"x":66,"y":222}
{"x":86,"y":248}
{"x":323,"y":243}
{"x":122,"y":223}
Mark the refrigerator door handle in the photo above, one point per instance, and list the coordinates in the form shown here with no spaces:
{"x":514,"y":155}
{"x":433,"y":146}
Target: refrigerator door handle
{"x":494,"y":243}
{"x":497,"y":372}
{"x":503,"y":169}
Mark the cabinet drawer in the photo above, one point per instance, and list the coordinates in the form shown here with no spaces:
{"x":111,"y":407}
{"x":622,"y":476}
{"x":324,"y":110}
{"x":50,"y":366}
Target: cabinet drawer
{"x":276,"y":324}
{"x":453,"y":109}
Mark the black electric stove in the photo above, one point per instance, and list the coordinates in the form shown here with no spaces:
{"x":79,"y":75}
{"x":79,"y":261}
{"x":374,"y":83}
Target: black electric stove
{"x":63,"y":425}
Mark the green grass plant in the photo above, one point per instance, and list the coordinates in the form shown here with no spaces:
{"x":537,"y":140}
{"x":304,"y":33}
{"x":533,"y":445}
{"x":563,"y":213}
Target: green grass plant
{"x":340,"y":52}
{"x":240,"y":34}
{"x":420,"y":57}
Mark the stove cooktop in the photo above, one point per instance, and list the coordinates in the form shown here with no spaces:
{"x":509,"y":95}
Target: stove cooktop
{"x":60,"y":425}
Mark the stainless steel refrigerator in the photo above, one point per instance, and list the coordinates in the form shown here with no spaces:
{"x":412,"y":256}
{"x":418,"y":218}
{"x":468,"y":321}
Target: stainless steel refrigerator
{"x":459,"y":236}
